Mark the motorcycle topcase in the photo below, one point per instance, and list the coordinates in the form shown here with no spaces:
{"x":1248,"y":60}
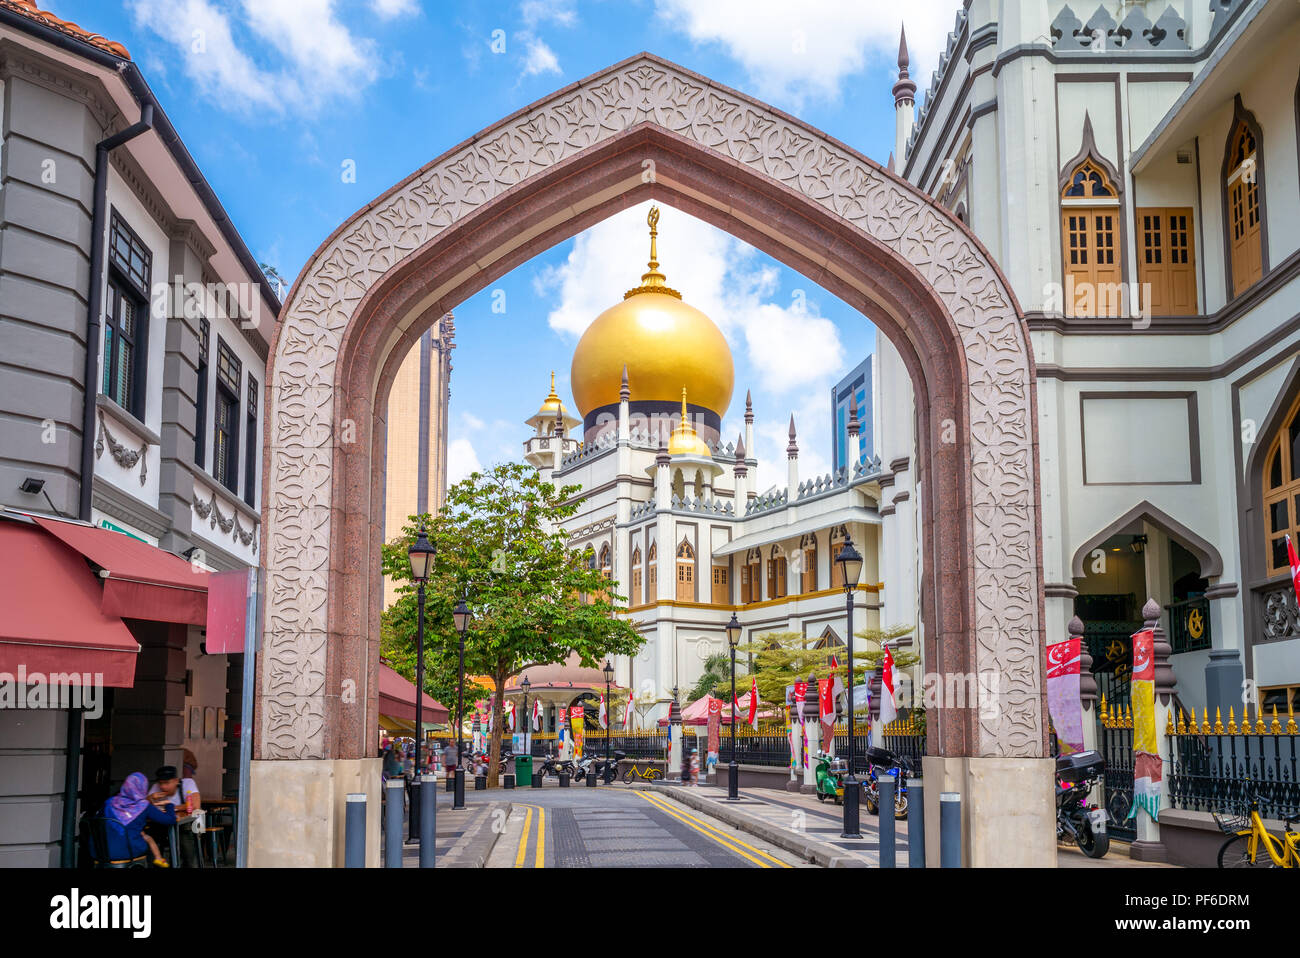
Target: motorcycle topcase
{"x":1079,"y":766}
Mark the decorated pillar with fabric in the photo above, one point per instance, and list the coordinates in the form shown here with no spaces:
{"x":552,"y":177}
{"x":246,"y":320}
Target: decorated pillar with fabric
{"x":576,"y":714}
{"x":1063,"y":694}
{"x":715,"y":733}
{"x":811,"y":734}
{"x":1152,"y":689}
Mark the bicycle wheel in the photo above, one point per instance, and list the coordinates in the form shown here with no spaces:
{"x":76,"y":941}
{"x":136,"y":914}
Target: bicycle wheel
{"x":1235,"y":853}
{"x":654,"y":774}
{"x":627,"y":776}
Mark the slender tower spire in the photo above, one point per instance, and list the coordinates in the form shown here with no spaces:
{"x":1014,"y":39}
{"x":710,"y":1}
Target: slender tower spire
{"x":749,"y":422}
{"x":740,"y":471}
{"x":904,"y":104}
{"x":792,"y":463}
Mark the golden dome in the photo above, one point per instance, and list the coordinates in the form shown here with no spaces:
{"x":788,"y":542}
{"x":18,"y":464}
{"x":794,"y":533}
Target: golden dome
{"x":663,"y":342}
{"x":685,"y":441}
{"x":551,"y":404}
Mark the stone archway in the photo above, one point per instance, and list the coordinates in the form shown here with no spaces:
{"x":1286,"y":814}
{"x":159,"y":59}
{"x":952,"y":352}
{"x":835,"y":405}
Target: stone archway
{"x":644,"y":128}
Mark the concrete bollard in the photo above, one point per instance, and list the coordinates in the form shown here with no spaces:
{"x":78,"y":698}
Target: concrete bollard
{"x":537,"y":779}
{"x":885,"y":782}
{"x":428,"y":821}
{"x":508,"y":780}
{"x":413,"y":815}
{"x":591,"y":778}
{"x":564,"y":780}
{"x":458,"y":792}
{"x":394,"y":803}
{"x":480,"y":783}
{"x":915,"y":823}
{"x":354,"y":834}
{"x":950,"y":830}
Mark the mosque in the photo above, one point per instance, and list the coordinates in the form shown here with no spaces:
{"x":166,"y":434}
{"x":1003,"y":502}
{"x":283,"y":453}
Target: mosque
{"x":669,"y":509}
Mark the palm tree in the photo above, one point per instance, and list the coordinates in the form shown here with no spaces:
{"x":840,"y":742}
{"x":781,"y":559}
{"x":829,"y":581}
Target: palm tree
{"x":717,"y":675}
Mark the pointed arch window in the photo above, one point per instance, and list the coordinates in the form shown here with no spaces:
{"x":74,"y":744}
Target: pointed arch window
{"x":1090,"y":234}
{"x":1242,"y":188}
{"x":1282,"y":492}
{"x":750,"y":575}
{"x":652,"y":573}
{"x":685,"y":572}
{"x":838,"y":535}
{"x":808,"y":569}
{"x":637,"y":596}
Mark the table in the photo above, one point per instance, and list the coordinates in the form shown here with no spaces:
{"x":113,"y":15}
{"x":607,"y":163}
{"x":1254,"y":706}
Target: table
{"x":174,"y":839}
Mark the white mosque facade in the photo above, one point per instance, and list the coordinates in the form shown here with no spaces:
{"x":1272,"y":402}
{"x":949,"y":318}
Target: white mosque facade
{"x":670,"y":511}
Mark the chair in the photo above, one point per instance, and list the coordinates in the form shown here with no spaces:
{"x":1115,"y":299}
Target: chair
{"x":95,"y":827}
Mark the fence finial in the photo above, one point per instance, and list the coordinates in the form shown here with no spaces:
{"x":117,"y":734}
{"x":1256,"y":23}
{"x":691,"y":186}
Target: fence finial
{"x":1290,"y":720}
{"x":1259,"y":721}
{"x":1206,"y":729}
{"x":1182,"y":721}
{"x":1218,"y":719}
{"x":1170,"y":728}
{"x":1232,"y":722}
{"x":1276,"y":727}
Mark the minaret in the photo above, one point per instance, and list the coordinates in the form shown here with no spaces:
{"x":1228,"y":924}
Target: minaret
{"x":792,"y":463}
{"x":853,"y":452}
{"x":749,"y":421}
{"x":741,"y":471}
{"x":624,"y":431}
{"x":663,"y":484}
{"x":904,"y":105}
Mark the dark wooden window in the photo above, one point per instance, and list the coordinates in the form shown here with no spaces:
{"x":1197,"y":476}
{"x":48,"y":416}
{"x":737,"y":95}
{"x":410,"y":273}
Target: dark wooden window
{"x":1245,"y":239}
{"x":201,"y":397}
{"x":126,"y":339}
{"x":225,"y":436}
{"x":721,"y":590}
{"x":1089,"y":231}
{"x":250,"y":444}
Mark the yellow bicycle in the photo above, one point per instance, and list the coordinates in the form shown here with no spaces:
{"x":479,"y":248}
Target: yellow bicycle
{"x":1249,"y":836}
{"x":651,"y":774}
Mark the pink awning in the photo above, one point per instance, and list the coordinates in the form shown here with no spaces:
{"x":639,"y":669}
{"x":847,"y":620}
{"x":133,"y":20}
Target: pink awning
{"x":140,"y":581}
{"x":53,"y":621}
{"x":397,"y":699}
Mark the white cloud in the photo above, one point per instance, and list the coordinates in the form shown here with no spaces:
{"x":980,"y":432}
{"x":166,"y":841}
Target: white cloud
{"x":319,"y":60}
{"x":796,"y":51}
{"x":538,"y":57}
{"x":392,"y":9}
{"x":561,"y":12}
{"x":461,"y":460}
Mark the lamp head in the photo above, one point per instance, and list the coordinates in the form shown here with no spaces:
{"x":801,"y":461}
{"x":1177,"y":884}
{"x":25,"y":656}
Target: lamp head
{"x":850,"y":564}
{"x":733,"y":631}
{"x":421,"y":556}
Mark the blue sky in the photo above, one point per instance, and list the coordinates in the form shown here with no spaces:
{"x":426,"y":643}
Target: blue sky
{"x":277,"y":98}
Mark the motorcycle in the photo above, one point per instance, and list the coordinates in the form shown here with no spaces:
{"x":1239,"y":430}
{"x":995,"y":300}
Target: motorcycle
{"x":1076,"y":820}
{"x":608,"y":772}
{"x":882,"y":760}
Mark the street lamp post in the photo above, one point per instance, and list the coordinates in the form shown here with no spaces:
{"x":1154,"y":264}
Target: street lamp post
{"x":850,"y":570}
{"x":609,"y":677}
{"x":461,"y":616}
{"x":420,"y":555}
{"x":733,"y":770}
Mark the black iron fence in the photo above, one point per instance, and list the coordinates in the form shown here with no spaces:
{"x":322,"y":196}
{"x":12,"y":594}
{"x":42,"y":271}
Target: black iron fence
{"x":1215,"y":767}
{"x":1189,"y":625}
{"x":1115,"y":742}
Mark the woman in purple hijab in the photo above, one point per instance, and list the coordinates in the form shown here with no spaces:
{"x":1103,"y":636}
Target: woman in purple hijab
{"x":126,"y":814}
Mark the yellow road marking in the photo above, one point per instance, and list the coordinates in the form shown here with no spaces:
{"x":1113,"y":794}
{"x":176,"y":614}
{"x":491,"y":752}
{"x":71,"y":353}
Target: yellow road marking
{"x":730,"y":842}
{"x":523,"y":841}
{"x":541,"y":838}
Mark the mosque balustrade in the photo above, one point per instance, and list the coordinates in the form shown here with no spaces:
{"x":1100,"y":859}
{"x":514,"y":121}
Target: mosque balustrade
{"x":838,"y":480}
{"x":767,"y":502}
{"x":711,"y":506}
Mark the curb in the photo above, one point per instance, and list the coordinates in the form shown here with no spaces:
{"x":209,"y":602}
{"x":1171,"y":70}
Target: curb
{"x":465,"y":854}
{"x":807,"y":849}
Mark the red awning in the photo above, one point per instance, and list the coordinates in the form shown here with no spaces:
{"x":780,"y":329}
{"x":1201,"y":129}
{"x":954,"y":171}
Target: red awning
{"x":51,"y":615}
{"x":397,"y":698}
{"x":140,"y":581}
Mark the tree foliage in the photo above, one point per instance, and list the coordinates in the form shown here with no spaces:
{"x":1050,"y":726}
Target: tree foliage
{"x":781,"y":658}
{"x":500,"y":544}
{"x":716,"y":678}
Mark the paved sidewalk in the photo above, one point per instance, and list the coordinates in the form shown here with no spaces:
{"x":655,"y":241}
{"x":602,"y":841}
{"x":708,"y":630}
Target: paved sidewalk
{"x":805,"y":827}
{"x":795,"y":822}
{"x":465,"y":836}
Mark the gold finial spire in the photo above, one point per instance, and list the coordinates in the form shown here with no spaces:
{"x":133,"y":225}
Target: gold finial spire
{"x":653,"y":281}
{"x":552,"y":396}
{"x":684,"y":419}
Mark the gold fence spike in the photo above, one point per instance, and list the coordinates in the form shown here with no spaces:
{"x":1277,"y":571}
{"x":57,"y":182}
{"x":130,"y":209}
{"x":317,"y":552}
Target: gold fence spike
{"x":1232,"y":722}
{"x":1170,"y":728}
{"x":1182,"y":721}
{"x":1103,"y":703}
{"x":1259,"y":721}
{"x":1276,"y":727}
{"x":1128,"y":717}
{"x":1218,"y":720}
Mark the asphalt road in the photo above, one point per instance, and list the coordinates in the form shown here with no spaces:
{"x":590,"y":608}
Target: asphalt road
{"x":614,"y":826}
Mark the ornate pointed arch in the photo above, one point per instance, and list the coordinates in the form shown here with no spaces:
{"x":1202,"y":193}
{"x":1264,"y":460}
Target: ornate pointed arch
{"x":544,"y":174}
{"x":1206,"y":554}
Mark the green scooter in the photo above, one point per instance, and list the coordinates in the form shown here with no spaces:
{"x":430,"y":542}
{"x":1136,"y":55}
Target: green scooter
{"x":830,"y":774}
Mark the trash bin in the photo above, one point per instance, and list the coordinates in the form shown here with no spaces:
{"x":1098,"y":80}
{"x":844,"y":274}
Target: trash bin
{"x":537,"y":779}
{"x":523,"y":769}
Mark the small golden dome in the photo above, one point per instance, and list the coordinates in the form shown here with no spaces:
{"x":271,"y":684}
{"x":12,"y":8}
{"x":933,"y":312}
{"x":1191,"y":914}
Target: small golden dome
{"x":662,"y":341}
{"x":551,"y":404}
{"x":685,"y":441}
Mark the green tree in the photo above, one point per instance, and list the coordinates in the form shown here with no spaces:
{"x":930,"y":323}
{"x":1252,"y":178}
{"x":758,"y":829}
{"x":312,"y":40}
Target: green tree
{"x":781,"y":658}
{"x":716,"y":678}
{"x":500,"y":544}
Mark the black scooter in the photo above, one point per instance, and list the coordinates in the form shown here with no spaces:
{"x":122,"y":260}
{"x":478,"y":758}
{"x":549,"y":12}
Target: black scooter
{"x":1076,"y":820}
{"x":883,"y":760}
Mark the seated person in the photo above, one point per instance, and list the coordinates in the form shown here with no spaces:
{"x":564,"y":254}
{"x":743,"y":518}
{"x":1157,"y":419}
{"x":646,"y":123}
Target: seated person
{"x":170,"y":789}
{"x":126,"y":813}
